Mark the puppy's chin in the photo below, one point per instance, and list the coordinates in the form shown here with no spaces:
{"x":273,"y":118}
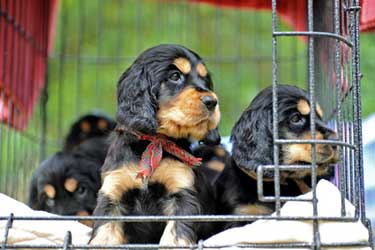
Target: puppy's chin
{"x":186,"y":116}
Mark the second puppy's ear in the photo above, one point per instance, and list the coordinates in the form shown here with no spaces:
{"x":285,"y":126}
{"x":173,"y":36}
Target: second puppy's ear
{"x":212,"y":138}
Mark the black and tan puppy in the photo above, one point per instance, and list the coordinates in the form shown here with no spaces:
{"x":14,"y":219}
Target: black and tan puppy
{"x":252,"y":138}
{"x":67,"y":183}
{"x":86,"y":127}
{"x":165,"y":98}
{"x":213,"y":158}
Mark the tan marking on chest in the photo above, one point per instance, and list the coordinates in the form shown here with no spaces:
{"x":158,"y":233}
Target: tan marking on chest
{"x":183,"y":65}
{"x":118,"y":181}
{"x":71,"y":184}
{"x":50,"y":191}
{"x":174,"y":174}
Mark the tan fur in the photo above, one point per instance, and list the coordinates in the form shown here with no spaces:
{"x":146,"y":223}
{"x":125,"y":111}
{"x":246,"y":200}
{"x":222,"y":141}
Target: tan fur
{"x":50,"y":191}
{"x":89,"y":223}
{"x":216,"y":165}
{"x":183,"y":65}
{"x":319,"y":110}
{"x":201,"y":69}
{"x":71,"y":184}
{"x":110,"y":233}
{"x":186,"y":116}
{"x":293,"y":153}
{"x":174,"y":175}
{"x":220,"y":152}
{"x":303,"y":107}
{"x":169,"y":237}
{"x":102,"y":124}
{"x":252,"y":209}
{"x":303,"y":187}
{"x":85,"y":127}
{"x":118,"y":181}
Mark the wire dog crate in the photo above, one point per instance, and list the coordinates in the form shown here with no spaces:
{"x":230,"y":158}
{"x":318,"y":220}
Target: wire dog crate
{"x":90,"y":54}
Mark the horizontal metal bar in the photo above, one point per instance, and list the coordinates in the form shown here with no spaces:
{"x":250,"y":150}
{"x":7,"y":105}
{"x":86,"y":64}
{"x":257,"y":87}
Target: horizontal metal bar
{"x":161,"y":218}
{"x":327,"y":142}
{"x":313,"y":33}
{"x":217,"y":59}
{"x":194,"y":246}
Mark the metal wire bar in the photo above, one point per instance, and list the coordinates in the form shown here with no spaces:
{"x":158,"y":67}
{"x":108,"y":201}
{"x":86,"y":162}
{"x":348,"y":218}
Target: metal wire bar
{"x":314,"y":142}
{"x":6,"y":233}
{"x":193,"y":246}
{"x":314,"y":34}
{"x":275,"y":129}
{"x":195,"y":218}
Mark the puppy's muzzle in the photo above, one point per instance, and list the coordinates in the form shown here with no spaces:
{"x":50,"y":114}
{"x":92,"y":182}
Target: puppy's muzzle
{"x":210,"y":102}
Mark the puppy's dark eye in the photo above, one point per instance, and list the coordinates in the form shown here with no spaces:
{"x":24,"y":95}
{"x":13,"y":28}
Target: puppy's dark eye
{"x":81,"y":190}
{"x":297,"y":120}
{"x":175,"y":76}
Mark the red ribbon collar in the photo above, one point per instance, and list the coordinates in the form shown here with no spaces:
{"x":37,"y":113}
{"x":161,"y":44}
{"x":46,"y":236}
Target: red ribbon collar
{"x":153,"y":153}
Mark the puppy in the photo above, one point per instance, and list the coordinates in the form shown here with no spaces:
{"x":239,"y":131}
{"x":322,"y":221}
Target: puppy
{"x":252,"y":138}
{"x":67,"y":183}
{"x":86,"y":127}
{"x":165,"y":98}
{"x":213,"y":160}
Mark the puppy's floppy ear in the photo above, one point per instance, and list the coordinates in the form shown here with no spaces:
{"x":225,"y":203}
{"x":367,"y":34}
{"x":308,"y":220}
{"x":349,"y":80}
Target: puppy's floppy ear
{"x":212,"y":138}
{"x":252,"y":139}
{"x":137,"y":97}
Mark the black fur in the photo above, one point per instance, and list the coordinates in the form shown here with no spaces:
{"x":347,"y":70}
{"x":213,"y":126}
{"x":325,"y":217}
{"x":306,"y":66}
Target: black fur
{"x":252,"y":139}
{"x":81,"y":159}
{"x":140,"y":90}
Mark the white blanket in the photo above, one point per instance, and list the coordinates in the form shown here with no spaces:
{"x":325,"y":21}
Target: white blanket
{"x":273,"y":231}
{"x":261,"y":231}
{"x":38,"y":232}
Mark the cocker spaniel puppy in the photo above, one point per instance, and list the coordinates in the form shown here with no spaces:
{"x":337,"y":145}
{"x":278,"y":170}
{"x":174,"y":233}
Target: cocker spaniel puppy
{"x":252,"y":138}
{"x":165,"y":99}
{"x":67,"y":183}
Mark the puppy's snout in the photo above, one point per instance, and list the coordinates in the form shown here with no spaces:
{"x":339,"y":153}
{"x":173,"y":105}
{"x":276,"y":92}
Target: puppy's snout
{"x":333,"y":136}
{"x":209,"y":101}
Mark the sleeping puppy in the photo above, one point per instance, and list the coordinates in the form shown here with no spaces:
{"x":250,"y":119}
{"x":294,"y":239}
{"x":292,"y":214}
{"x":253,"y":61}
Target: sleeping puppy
{"x":165,"y":98}
{"x":252,"y":138}
{"x":67,"y":183}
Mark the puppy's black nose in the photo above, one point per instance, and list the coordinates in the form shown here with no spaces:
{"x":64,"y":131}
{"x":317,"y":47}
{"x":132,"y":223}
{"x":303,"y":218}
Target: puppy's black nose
{"x":209,"y":101}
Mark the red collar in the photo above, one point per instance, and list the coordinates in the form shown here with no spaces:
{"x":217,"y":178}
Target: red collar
{"x":153,"y":153}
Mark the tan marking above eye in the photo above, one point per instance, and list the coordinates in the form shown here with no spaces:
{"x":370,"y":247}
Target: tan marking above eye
{"x":71,"y":184}
{"x":183,"y":65}
{"x":220,"y":152}
{"x":303,"y":107}
{"x":102,"y":124}
{"x":319,"y":110}
{"x":85,"y":127}
{"x":50,"y":191}
{"x":201,"y":69}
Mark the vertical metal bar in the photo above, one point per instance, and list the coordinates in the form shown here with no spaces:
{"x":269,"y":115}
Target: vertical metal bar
{"x":81,"y":27}
{"x":67,"y":240}
{"x":99,"y":27}
{"x":357,"y":110}
{"x":61,"y":70}
{"x":275,"y":110}
{"x":8,"y":226}
{"x":338,"y":106}
{"x":311,"y":71}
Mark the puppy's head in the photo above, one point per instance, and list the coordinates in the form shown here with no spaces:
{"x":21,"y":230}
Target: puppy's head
{"x":65,"y":184}
{"x":168,"y":90}
{"x":87,"y":127}
{"x":253,"y":138}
